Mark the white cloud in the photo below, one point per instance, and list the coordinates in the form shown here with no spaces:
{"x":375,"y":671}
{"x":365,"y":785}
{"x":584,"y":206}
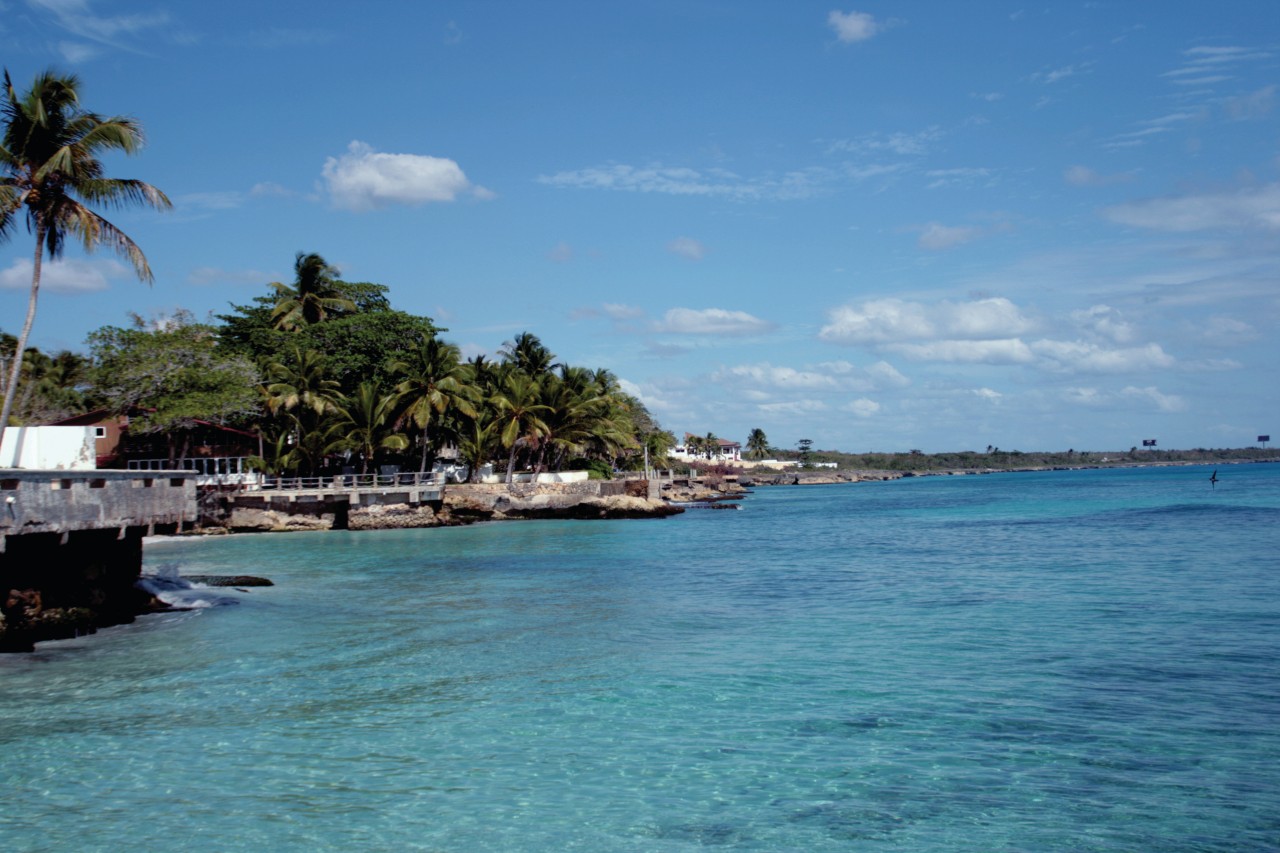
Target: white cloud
{"x":683,"y":181}
{"x":687,"y":247}
{"x":886,"y":375}
{"x":364,"y":179}
{"x":862,"y":407}
{"x":1105,"y":321}
{"x":894,"y":320}
{"x":1228,"y":331}
{"x":988,"y":394}
{"x":1008,"y":351}
{"x":1083,"y":357}
{"x":1254,"y":207}
{"x":267,"y":189}
{"x":1163,"y":402}
{"x":937,"y":237}
{"x":780,"y":377}
{"x":561,"y":253}
{"x":903,"y":144}
{"x":618,"y":311}
{"x":852,"y":26}
{"x":712,"y":321}
{"x":794,"y":407}
{"x":63,"y":276}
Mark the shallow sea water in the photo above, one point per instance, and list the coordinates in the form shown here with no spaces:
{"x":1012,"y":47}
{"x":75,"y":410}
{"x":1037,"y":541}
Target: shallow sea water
{"x":1084,"y":661}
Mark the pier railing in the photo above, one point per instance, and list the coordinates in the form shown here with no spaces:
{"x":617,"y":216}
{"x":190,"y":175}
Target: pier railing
{"x":342,"y":482}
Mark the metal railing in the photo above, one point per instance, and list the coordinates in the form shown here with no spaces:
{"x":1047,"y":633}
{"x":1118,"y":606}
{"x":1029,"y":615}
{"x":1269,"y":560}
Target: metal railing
{"x":343,"y":482}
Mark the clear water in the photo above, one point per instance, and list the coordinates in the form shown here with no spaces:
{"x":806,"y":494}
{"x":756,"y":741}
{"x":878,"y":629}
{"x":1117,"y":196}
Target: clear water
{"x":1085,"y":661}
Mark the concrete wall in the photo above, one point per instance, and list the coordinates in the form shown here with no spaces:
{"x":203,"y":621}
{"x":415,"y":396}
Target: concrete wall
{"x":58,"y":448}
{"x":61,"y":501}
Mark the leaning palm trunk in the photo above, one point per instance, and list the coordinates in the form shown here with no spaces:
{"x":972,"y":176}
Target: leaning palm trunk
{"x":15,"y":370}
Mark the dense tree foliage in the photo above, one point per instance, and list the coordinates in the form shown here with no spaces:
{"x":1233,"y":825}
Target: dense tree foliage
{"x":352,"y":385}
{"x":170,"y":376}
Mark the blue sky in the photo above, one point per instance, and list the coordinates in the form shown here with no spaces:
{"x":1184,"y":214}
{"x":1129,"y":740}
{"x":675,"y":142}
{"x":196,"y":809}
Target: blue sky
{"x":883,"y":226}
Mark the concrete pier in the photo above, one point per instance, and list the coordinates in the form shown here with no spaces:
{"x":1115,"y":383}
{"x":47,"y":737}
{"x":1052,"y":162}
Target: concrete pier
{"x":71,"y":547}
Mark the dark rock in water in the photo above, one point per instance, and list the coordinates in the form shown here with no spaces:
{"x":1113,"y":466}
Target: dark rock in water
{"x":228,"y":580}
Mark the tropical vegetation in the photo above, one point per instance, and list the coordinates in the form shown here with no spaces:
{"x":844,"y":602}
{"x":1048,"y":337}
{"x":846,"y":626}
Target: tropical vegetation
{"x":326,"y":375}
{"x":51,"y":174}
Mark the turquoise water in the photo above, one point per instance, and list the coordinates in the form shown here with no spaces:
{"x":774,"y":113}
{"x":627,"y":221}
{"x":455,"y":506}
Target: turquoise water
{"x":1085,"y":661}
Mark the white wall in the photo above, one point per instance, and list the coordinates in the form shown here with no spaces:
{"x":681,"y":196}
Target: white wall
{"x":59,"y":448}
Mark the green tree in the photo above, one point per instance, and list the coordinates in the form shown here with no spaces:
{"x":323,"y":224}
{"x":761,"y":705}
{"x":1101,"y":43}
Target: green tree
{"x":171,"y":377}
{"x":435,"y":383}
{"x":526,"y":352}
{"x":757,"y":444}
{"x":519,"y":413}
{"x":51,"y":171}
{"x":805,"y":446}
{"x":367,"y":424}
{"x":311,"y":298}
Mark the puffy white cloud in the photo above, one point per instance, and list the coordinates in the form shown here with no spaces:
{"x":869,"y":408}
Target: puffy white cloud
{"x":1098,"y":399}
{"x":712,"y":321}
{"x":687,"y":247}
{"x":365,"y":179}
{"x":1006,"y":351}
{"x":1228,"y":331}
{"x":782,"y":377}
{"x":885,"y":375}
{"x":1254,"y":208}
{"x":618,"y":311}
{"x":882,"y":321}
{"x":852,"y":26}
{"x":1104,"y":321}
{"x":1084,"y":357}
{"x":988,"y":394}
{"x":63,"y":276}
{"x":1163,"y":402}
{"x":862,"y":407}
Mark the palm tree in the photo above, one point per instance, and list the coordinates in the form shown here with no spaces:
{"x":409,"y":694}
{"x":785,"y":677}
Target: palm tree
{"x":311,"y":298}
{"x":519,"y":413}
{"x":757,"y":444}
{"x":435,"y":383}
{"x":527,"y":353}
{"x":368,"y":424}
{"x":477,"y":439}
{"x":301,"y":382}
{"x":49,"y":168}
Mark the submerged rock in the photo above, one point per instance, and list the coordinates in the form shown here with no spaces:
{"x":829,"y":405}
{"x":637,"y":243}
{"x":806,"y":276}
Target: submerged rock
{"x":229,"y":580}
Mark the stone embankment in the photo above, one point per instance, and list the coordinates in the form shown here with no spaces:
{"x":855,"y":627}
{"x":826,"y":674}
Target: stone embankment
{"x":461,"y":504}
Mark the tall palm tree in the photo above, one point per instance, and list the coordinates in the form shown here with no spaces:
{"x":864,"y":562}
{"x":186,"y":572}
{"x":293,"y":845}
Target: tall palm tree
{"x":519,"y":413}
{"x":435,"y":383}
{"x":757,"y":444}
{"x":368,"y":424}
{"x":301,"y":382}
{"x":312,"y":297}
{"x":527,"y":353}
{"x":49,"y":169}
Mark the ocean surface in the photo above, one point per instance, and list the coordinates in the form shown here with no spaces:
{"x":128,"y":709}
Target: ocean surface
{"x":1082,"y":661}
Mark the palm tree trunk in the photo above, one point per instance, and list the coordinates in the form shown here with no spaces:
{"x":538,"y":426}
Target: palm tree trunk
{"x":511,"y":464}
{"x":15,"y":370}
{"x":422,"y":466}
